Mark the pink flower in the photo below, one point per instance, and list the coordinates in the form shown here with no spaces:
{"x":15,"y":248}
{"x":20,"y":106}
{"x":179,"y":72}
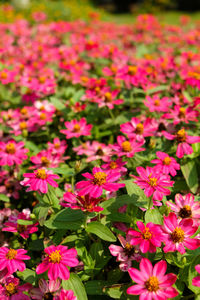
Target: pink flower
{"x":12,"y":153}
{"x":181,"y":114}
{"x":11,"y":290}
{"x":98,"y":181}
{"x":46,"y":289}
{"x":126,"y":147}
{"x":125,"y":254}
{"x":77,"y":128}
{"x":13,"y":259}
{"x":46,"y":158}
{"x":39,"y":180}
{"x":186,"y":207}
{"x":115,"y":166}
{"x":156,"y":104}
{"x":67,"y":295}
{"x":152,"y":283}
{"x":57,"y":147}
{"x":148,"y":238}
{"x":56,"y":262}
{"x":177,"y":234}
{"x":166,"y":164}
{"x":183,"y":140}
{"x":153,"y":182}
{"x":196,"y":280}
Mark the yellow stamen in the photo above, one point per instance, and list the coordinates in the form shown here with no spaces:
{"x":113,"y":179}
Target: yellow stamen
{"x":99,"y":178}
{"x":181,"y":135}
{"x":77,"y":128}
{"x":10,"y":148}
{"x":178,"y":235}
{"x":185,"y":212}
{"x":41,"y":174}
{"x":139,"y":128}
{"x":152,"y":284}
{"x":167,"y":160}
{"x":55,"y":256}
{"x":11,"y":254}
{"x":126,"y":146}
{"x":10,"y":289}
{"x":146,"y":234}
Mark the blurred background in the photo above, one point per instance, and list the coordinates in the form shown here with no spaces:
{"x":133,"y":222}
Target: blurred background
{"x":108,"y":10}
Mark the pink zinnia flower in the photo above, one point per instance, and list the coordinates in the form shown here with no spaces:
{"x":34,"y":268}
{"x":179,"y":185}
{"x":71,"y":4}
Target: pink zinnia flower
{"x":39,"y":180}
{"x":126,"y":147}
{"x":13,"y":259}
{"x":148,"y":238}
{"x":156,"y":104}
{"x":186,"y":207}
{"x":77,"y":128}
{"x":85,"y":203}
{"x":152,"y":282}
{"x":98,"y":181}
{"x":183,"y":140}
{"x":11,"y":290}
{"x":56,"y":262}
{"x":47,"y":288}
{"x":196,"y":280}
{"x":115,"y":166}
{"x":166,"y":164}
{"x":125,"y":254}
{"x":177,"y":234}
{"x":12,"y":153}
{"x":153,"y":182}
{"x":67,"y":295}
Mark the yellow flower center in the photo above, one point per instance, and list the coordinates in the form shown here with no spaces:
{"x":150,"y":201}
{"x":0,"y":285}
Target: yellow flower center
{"x":41,"y":174}
{"x":10,"y":148}
{"x":167,"y":160}
{"x":113,"y":165}
{"x":132,"y":70}
{"x":157,"y":102}
{"x":11,"y":254}
{"x":84,"y":79}
{"x":45,"y":161}
{"x":146,"y":234}
{"x":4,"y":75}
{"x":23,"y":125}
{"x":126,"y":146}
{"x":99,"y":178}
{"x":77,"y":128}
{"x":178,"y":235}
{"x":139,"y":128}
{"x":56,"y":145}
{"x":10,"y":289}
{"x":129,"y":249}
{"x":55,"y":256}
{"x":24,"y":111}
{"x":152,"y":180}
{"x":113,"y":69}
{"x":21,"y":228}
{"x":185,"y":212}
{"x":42,"y":79}
{"x":43,"y":116}
{"x":182,"y":112}
{"x":108,"y":97}
{"x":181,"y":135}
{"x":152,"y":284}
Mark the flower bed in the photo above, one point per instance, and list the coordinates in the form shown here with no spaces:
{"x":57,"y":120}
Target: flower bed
{"x":99,"y":160}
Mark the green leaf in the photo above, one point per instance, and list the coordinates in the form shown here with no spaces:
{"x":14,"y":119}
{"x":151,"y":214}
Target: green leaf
{"x":57,"y":103}
{"x":75,"y":284}
{"x":101,"y":231}
{"x":95,"y":287}
{"x":64,"y":171}
{"x":190,"y":174}
{"x":66,"y":219}
{"x":154,"y":216}
{"x":25,"y":222}
{"x":41,"y":212}
{"x":140,"y":199}
{"x":159,"y":88}
{"x":4,"y":198}
{"x":27,"y":275}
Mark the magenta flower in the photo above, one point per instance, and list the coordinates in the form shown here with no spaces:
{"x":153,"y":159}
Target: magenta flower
{"x":186,"y":207}
{"x":152,"y":282}
{"x":148,"y":237}
{"x":12,"y":153}
{"x":155,"y":104}
{"x":166,"y":164}
{"x":115,"y":165}
{"x":47,"y":289}
{"x":56,"y":262}
{"x":77,"y":128}
{"x":183,"y":140}
{"x":85,"y":203}
{"x":196,"y":280}
{"x":11,"y":290}
{"x":98,"y":181}
{"x":125,"y":254}
{"x":177,"y":234}
{"x":13,"y":259}
{"x":153,"y":182}
{"x":67,"y":295}
{"x":39,"y":180}
{"x":126,"y":147}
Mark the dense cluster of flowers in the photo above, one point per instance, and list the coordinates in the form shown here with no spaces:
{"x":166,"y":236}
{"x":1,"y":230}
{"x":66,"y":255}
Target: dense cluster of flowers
{"x":99,"y":160}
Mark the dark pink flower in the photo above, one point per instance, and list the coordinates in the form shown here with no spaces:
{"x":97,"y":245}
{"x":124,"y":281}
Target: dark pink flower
{"x":11,"y":290}
{"x":196,"y":280}
{"x":13,"y":259}
{"x":77,"y":128}
{"x":166,"y":164}
{"x":151,"y":282}
{"x":67,"y":295}
{"x":126,"y":147}
{"x":12,"y":153}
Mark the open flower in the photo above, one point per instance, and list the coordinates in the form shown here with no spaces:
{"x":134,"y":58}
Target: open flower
{"x":98,"y":181}
{"x":152,"y":282}
{"x":13,"y":259}
{"x":148,"y":238}
{"x":177,"y":234}
{"x":56,"y":262}
{"x":166,"y":164}
{"x":67,"y":295}
{"x":77,"y":128}
{"x":12,"y":153}
{"x":11,"y":290}
{"x":39,"y":180}
{"x":126,"y":147}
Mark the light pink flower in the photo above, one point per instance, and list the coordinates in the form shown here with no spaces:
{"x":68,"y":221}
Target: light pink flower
{"x":39,"y":180}
{"x":46,"y":289}
{"x":98,"y":181}
{"x":177,"y":234}
{"x":166,"y":164}
{"x":13,"y":259}
{"x":56,"y":262}
{"x":77,"y":128}
{"x":148,"y":237}
{"x":12,"y":153}
{"x":152,"y":282}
